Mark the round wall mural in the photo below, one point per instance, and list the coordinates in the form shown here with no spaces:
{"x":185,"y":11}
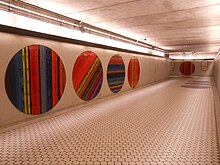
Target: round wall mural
{"x":133,"y":72}
{"x":187,"y":68}
{"x":87,"y":75}
{"x":35,"y":79}
{"x":116,"y":73}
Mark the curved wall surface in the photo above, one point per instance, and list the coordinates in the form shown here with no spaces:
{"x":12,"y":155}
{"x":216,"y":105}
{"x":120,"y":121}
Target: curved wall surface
{"x":116,"y":73}
{"x":35,"y":79}
{"x":79,"y":83}
{"x":87,"y":75}
{"x":133,"y":72}
{"x":187,"y":68}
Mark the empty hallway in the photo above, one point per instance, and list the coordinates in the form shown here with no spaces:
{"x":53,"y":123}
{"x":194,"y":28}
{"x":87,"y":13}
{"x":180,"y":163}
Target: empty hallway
{"x":160,"y":124}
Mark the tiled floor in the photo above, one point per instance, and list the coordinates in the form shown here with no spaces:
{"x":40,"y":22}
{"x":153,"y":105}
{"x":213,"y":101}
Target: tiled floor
{"x":161,"y":124}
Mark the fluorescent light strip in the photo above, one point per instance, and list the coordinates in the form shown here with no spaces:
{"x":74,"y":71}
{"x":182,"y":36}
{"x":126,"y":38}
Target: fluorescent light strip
{"x":14,"y":20}
{"x":190,"y":58}
{"x":38,"y":14}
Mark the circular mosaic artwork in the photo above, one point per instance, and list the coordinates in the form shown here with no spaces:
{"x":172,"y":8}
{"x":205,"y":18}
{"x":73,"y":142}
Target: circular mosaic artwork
{"x":87,"y":75}
{"x":35,"y":79}
{"x":116,"y":73}
{"x":133,"y":72}
{"x":187,"y":68}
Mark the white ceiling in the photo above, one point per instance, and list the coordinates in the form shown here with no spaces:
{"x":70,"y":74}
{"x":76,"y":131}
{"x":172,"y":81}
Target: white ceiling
{"x":175,"y":25}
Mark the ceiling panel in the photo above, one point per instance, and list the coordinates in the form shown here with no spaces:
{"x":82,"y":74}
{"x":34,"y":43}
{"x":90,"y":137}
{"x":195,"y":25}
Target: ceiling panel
{"x":141,"y":8}
{"x":197,"y":14}
{"x":175,"y":25}
{"x":74,"y":6}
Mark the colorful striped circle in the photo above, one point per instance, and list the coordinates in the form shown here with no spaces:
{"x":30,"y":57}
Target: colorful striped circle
{"x":116,"y":73}
{"x":187,"y":68}
{"x":35,"y":79}
{"x":87,"y":75}
{"x":133,"y":72}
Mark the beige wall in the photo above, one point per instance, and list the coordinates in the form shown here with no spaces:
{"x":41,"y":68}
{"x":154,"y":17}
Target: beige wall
{"x":151,"y":69}
{"x":217,"y":73}
{"x":198,"y":68}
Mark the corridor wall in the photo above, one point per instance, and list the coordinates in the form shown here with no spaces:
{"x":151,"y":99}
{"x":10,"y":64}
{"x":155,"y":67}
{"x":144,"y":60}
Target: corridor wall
{"x":195,"y":68}
{"x":217,"y":73}
{"x":152,"y":69}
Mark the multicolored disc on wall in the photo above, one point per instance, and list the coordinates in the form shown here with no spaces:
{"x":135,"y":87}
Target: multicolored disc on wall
{"x":133,"y":72}
{"x":187,"y":68}
{"x":35,"y":79}
{"x":87,"y":75}
{"x":116,"y":73}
